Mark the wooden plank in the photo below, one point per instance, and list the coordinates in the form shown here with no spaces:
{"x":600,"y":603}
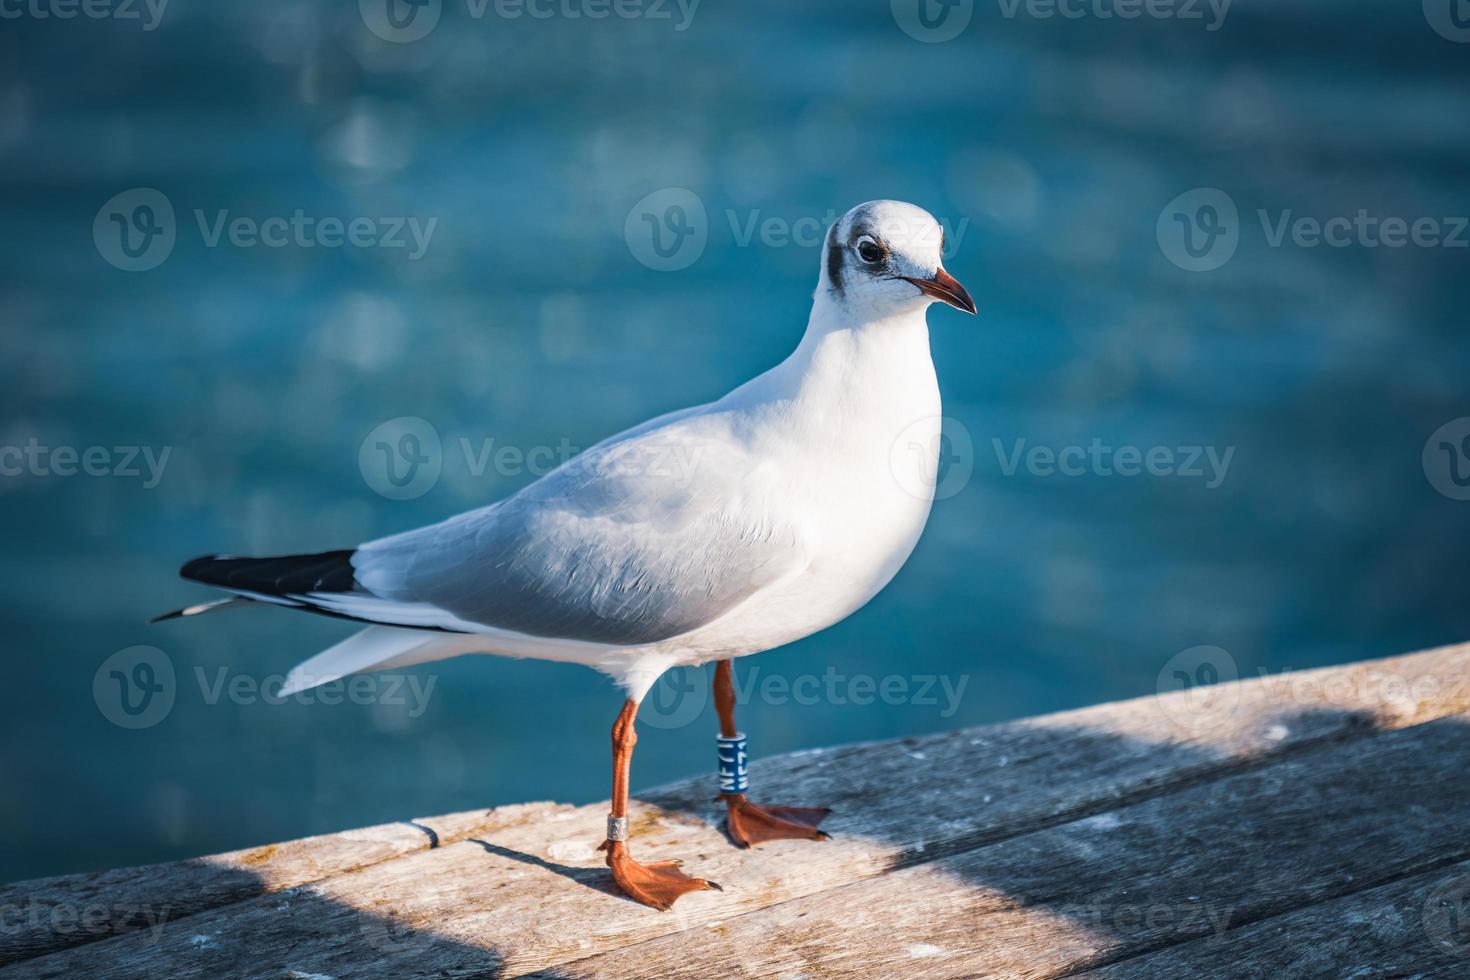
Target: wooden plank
{"x":1415,"y":927}
{"x":1328,"y":822}
{"x":48,"y":914}
{"x":534,"y":894}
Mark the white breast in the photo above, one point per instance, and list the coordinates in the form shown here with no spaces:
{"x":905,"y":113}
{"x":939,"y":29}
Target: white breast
{"x":854,"y":451}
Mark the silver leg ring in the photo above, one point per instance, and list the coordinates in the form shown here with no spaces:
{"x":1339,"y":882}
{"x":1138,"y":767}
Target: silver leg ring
{"x":617,"y":828}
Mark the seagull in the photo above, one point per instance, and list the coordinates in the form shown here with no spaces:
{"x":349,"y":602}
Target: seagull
{"x":703,"y":535}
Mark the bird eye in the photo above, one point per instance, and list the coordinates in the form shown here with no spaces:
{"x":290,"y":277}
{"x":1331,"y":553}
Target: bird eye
{"x":869,"y":250}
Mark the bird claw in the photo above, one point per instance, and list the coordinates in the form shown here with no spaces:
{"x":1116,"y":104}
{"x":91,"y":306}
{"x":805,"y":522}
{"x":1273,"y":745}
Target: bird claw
{"x":656,"y":885}
{"x":750,"y":823}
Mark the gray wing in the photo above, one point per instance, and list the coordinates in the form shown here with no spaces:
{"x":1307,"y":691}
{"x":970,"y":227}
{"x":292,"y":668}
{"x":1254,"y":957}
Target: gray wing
{"x":635,"y":541}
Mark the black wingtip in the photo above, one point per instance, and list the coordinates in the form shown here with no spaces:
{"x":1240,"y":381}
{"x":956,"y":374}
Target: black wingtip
{"x":195,"y":566}
{"x":176,"y":614}
{"x":326,"y":571}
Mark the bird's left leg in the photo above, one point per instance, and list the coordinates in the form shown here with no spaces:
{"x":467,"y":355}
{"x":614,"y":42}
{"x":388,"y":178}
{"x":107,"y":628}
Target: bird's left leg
{"x":660,"y":884}
{"x":749,"y":822}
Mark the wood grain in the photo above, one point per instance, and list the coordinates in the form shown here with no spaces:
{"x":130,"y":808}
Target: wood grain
{"x":47,"y":914}
{"x":1414,"y":927}
{"x":1320,"y":824}
{"x":521,"y":889}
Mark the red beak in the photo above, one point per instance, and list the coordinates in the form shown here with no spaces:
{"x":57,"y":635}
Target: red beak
{"x":947,"y":289}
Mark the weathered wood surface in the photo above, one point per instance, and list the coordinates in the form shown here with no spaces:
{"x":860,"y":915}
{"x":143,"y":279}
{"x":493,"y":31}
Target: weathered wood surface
{"x":52,"y":913}
{"x":1322,"y":823}
{"x":1414,"y":927}
{"x":1105,"y":837}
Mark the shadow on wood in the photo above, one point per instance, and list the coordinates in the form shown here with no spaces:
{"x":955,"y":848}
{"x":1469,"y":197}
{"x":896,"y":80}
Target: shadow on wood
{"x":1102,"y":838}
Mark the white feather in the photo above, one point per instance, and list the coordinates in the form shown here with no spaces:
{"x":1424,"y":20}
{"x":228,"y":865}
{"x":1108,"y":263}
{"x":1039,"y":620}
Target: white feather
{"x":374,"y":648}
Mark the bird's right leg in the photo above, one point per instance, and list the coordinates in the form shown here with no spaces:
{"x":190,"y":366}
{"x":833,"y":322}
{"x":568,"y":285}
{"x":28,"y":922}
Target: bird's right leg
{"x":658,"y":884}
{"x":750,"y":823}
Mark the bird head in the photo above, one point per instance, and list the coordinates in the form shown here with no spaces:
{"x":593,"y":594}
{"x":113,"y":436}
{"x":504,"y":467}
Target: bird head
{"x":884,"y":258}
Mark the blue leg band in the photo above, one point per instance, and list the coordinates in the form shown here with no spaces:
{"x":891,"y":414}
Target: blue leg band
{"x":734,"y":777}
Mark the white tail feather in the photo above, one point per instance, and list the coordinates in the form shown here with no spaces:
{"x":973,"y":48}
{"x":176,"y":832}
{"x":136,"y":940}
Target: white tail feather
{"x":374,"y":648}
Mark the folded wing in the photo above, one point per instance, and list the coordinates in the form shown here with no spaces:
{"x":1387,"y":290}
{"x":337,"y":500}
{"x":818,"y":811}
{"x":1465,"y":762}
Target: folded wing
{"x":632,"y":542}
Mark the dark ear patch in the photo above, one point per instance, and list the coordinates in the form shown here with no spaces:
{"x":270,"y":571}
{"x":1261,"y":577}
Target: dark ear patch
{"x":834,"y":260}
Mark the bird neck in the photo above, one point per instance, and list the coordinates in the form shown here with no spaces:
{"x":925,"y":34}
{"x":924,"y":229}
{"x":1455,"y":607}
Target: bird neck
{"x":841,"y":337}
{"x":848,"y":367}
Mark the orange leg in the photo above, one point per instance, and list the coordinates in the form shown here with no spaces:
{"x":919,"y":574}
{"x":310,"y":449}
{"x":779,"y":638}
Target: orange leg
{"x":749,"y":822}
{"x":659,"y":884}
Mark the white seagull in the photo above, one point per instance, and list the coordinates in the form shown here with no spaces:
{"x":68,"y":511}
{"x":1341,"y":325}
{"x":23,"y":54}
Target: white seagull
{"x":791,"y":505}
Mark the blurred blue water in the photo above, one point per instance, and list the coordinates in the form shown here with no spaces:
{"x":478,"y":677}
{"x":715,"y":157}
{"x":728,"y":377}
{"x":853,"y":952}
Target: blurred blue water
{"x":1050,"y":146}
